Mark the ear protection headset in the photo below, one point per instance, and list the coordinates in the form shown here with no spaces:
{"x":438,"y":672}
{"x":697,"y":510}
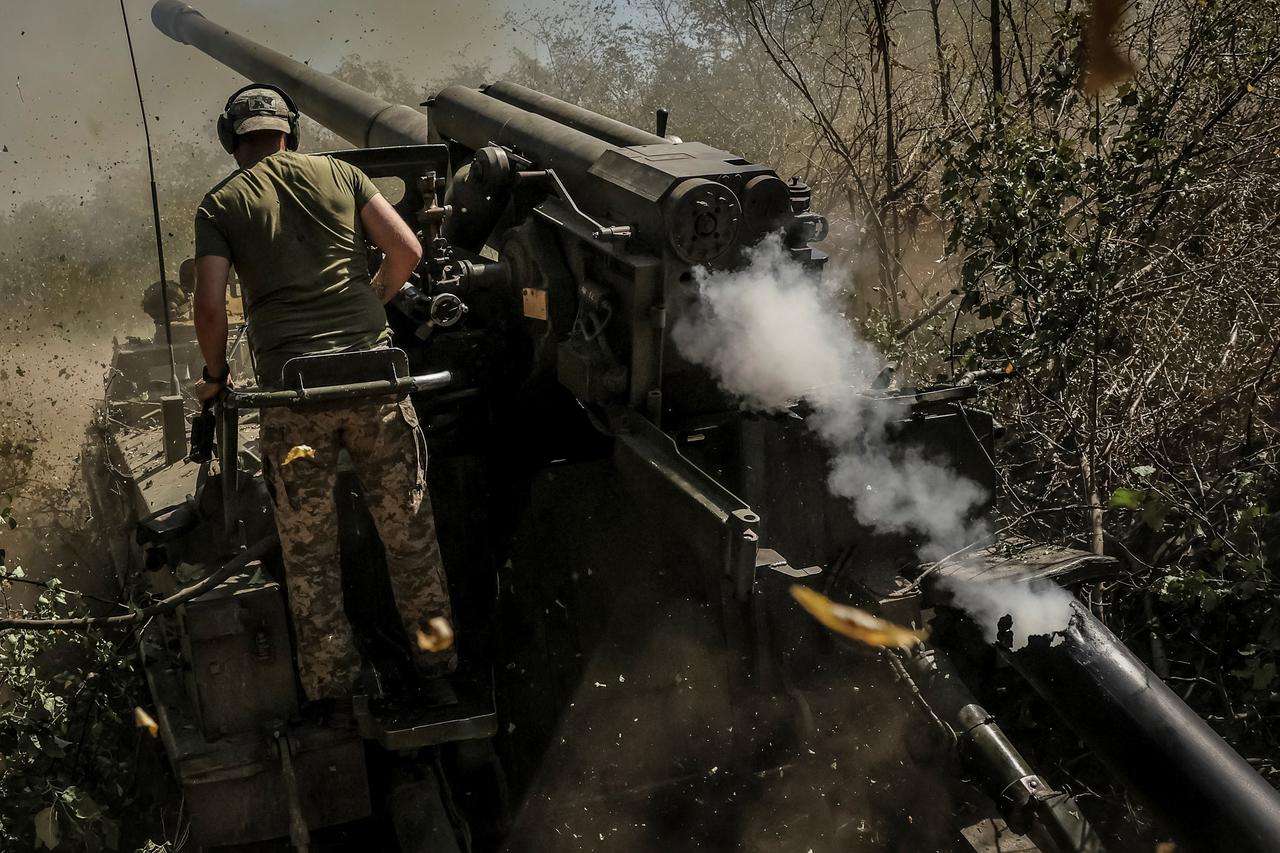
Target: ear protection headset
{"x":227,"y":120}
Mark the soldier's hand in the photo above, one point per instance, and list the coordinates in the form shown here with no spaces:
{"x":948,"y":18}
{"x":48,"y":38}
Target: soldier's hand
{"x":208,"y":391}
{"x":413,"y":303}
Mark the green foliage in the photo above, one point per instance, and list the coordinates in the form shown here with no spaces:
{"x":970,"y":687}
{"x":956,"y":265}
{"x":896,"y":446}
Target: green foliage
{"x":1121,"y":251}
{"x":1217,"y":593}
{"x":69,"y":748}
{"x":1024,"y":273}
{"x":879,"y":330}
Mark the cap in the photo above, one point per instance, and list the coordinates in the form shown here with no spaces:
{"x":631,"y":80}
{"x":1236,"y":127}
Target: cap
{"x":259,"y":109}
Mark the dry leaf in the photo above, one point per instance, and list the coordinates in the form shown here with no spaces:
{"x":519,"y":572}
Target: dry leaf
{"x":854,"y":623}
{"x":1104,"y":66}
{"x":302,"y":451}
{"x":1166,"y":847}
{"x":47,"y":834}
{"x":438,"y":637}
{"x":143,"y":720}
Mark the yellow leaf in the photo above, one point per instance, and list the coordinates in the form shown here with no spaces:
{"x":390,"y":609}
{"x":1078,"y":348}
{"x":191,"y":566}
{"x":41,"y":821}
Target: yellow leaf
{"x":47,"y":834}
{"x":854,"y":623}
{"x":438,"y":637}
{"x":1248,"y":87}
{"x":143,"y":720}
{"x":302,"y":451}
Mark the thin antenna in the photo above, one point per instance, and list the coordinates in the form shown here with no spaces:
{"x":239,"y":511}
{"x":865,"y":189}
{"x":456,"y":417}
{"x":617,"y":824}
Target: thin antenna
{"x":155,"y":208}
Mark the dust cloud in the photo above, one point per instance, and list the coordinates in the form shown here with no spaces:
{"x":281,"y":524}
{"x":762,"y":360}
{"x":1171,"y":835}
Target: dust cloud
{"x":773,"y":334}
{"x":50,"y":380}
{"x":66,"y":90}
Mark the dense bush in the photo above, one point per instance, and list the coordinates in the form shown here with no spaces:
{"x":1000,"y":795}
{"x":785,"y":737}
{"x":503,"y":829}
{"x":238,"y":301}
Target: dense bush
{"x":68,"y":747}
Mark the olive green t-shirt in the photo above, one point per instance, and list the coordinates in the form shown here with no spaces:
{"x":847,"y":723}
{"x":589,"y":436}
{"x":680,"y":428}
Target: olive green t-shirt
{"x":290,"y":225}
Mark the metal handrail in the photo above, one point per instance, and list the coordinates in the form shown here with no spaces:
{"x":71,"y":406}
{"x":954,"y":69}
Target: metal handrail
{"x":232,"y":401}
{"x":262,"y":398}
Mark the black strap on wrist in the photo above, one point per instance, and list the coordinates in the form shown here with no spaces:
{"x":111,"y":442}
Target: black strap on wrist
{"x":216,"y":380}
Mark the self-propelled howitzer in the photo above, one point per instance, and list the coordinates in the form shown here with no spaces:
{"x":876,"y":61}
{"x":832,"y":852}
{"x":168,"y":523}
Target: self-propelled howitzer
{"x":648,"y":680}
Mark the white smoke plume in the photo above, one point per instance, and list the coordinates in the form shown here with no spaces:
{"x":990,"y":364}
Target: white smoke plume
{"x":1037,"y":607}
{"x":772,"y":334}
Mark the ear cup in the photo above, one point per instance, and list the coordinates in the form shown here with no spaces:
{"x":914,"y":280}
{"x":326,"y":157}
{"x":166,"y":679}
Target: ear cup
{"x":226,"y":135}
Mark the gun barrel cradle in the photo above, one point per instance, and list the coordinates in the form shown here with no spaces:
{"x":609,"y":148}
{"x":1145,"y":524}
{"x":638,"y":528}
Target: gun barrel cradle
{"x":603,"y":127}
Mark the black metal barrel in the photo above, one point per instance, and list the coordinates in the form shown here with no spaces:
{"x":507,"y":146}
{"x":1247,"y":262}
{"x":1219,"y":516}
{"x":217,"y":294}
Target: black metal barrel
{"x":1021,"y":794}
{"x":1209,"y":796}
{"x":360,"y":118}
{"x":571,"y":115}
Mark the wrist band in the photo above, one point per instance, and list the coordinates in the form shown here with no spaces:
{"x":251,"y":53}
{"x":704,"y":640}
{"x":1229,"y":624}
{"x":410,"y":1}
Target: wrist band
{"x":216,"y":380}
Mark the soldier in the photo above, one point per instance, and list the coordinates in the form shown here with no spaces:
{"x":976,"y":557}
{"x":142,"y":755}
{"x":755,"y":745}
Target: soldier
{"x":294,"y":227}
{"x":179,"y":297}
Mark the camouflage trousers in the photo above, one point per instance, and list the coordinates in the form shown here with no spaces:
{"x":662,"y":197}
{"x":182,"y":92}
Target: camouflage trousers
{"x":389,"y":454}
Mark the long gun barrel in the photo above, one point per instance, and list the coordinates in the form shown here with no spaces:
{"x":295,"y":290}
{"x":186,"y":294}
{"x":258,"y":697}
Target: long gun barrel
{"x":362,"y":119}
{"x":563,"y":135}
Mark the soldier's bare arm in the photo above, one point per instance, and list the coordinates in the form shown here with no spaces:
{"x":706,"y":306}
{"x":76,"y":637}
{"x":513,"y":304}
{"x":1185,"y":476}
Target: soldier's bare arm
{"x":210,"y":315}
{"x":400,"y":248}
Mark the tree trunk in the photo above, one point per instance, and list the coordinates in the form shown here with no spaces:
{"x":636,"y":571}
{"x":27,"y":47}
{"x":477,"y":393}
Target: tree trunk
{"x":944,"y":73}
{"x":888,"y":215}
{"x":997,"y":62}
